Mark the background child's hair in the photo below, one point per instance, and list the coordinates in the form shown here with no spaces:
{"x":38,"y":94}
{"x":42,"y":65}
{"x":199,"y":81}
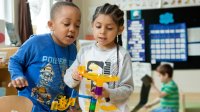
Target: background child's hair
{"x":57,"y":6}
{"x":115,"y":13}
{"x":165,"y":68}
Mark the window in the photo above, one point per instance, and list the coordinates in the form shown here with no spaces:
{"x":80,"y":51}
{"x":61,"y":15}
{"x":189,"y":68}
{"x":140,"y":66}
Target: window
{"x":40,"y":14}
{"x":6,"y":15}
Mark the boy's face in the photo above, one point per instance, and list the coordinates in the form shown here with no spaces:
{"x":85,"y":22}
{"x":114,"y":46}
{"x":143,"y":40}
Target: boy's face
{"x":163,"y":78}
{"x":65,"y":25}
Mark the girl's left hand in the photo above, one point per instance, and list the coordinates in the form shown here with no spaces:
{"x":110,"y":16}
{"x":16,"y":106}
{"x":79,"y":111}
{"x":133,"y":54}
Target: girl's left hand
{"x":105,"y":93}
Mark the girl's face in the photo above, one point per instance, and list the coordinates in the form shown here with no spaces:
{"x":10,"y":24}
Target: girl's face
{"x":65,"y":25}
{"x":105,"y":31}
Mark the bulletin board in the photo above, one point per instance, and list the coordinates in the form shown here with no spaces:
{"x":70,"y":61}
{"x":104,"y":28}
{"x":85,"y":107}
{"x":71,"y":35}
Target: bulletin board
{"x":187,"y":19}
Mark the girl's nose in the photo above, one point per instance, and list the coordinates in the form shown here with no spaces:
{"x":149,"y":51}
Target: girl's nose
{"x":102,"y":31}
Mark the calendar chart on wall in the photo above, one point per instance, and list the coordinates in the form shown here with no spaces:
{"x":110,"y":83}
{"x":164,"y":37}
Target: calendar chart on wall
{"x":168,"y":42}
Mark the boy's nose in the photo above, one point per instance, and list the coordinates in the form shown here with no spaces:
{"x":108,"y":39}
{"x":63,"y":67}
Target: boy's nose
{"x":72,"y":28}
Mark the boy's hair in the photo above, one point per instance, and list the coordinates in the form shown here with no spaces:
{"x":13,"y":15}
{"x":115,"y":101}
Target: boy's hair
{"x":57,"y":6}
{"x":165,"y":68}
{"x":115,"y":13}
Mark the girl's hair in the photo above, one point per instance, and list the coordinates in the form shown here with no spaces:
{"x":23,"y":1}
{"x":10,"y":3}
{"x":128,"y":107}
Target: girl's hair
{"x":165,"y":68}
{"x":115,"y":13}
{"x":57,"y":6}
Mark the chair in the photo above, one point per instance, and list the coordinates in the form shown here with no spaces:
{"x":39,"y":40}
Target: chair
{"x":14,"y":103}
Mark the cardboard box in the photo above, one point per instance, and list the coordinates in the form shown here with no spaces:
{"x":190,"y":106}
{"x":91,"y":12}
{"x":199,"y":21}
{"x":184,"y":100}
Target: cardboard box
{"x":5,"y":54}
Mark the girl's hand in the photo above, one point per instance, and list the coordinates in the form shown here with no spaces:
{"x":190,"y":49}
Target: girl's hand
{"x":76,"y":76}
{"x":18,"y":83}
{"x":105,"y":94}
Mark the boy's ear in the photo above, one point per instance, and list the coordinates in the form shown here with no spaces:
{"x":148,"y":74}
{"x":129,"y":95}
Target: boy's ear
{"x":121,"y":29}
{"x":50,"y":25}
{"x":166,"y":75}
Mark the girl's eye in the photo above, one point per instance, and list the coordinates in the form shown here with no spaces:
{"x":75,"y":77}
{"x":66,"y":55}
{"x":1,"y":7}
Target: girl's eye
{"x":109,"y":28}
{"x":98,"y":26}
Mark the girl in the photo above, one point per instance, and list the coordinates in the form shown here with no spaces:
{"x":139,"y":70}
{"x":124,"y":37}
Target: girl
{"x":106,"y":56}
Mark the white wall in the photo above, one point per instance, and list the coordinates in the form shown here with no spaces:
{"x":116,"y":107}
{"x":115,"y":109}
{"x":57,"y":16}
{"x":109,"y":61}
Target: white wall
{"x":187,"y":80}
{"x":87,"y":9}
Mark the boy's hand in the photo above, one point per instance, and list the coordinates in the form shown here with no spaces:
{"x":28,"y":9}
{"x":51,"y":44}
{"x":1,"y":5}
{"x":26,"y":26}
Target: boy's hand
{"x":147,"y":106}
{"x":18,"y":83}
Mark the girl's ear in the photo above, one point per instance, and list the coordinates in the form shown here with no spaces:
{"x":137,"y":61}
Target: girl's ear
{"x":50,"y":25}
{"x":121,"y":29}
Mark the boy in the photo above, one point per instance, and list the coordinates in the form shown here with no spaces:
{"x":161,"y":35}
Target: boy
{"x":168,"y":97}
{"x":37,"y":68}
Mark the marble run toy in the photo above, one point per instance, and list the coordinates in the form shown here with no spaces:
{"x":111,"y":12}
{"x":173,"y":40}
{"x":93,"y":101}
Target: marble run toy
{"x":62,"y":103}
{"x":99,"y":79}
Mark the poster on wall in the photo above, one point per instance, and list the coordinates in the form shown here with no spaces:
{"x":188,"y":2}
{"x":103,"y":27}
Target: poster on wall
{"x":194,"y":41}
{"x":173,"y":3}
{"x":168,"y":42}
{"x":136,"y":40}
{"x":139,"y":71}
{"x":138,"y":4}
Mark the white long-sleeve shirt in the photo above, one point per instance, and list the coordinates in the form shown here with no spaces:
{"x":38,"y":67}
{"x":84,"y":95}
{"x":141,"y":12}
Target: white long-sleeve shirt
{"x":104,"y":62}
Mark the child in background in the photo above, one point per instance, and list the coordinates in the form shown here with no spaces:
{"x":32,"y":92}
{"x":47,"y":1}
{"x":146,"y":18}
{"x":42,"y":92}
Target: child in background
{"x":106,"y":56}
{"x":38,"y":67}
{"x":168,"y":97}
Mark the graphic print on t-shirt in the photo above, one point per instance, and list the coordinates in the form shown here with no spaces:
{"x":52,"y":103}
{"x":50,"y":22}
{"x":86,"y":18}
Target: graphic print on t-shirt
{"x":98,"y":67}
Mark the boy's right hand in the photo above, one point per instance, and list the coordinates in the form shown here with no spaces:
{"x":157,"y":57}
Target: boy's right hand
{"x":147,"y":106}
{"x":18,"y":83}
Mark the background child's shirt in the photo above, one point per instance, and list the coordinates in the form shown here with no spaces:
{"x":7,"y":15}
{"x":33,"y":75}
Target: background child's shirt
{"x":172,"y":98}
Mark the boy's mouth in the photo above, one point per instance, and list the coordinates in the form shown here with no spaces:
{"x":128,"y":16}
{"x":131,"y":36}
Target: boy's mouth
{"x":70,"y":36}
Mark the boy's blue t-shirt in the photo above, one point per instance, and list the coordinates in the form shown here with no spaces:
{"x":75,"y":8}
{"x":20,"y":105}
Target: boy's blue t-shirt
{"x":43,"y":63}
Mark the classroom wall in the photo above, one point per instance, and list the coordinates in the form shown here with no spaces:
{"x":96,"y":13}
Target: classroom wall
{"x":187,"y":80}
{"x":87,"y":10}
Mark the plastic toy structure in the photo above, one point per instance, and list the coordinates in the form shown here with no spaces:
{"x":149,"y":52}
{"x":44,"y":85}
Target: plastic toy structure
{"x":62,"y":103}
{"x":99,"y":79}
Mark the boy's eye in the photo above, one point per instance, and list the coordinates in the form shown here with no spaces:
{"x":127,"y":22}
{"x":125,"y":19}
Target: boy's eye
{"x":78,"y":26}
{"x":66,"y":24}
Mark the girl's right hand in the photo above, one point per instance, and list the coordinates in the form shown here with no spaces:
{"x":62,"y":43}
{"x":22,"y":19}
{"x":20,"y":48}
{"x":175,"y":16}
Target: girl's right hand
{"x":18,"y":83}
{"x":76,"y":76}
